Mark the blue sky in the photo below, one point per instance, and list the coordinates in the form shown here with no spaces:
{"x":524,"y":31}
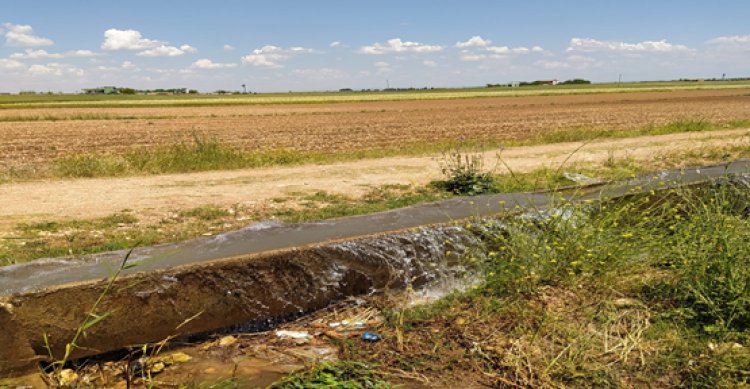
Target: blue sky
{"x":323,"y":45}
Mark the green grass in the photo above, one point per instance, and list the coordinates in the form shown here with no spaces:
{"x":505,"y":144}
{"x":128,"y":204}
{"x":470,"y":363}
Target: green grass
{"x":338,"y":375}
{"x":587,"y":134}
{"x":647,"y":291}
{"x":207,"y":213}
{"x":88,"y":101}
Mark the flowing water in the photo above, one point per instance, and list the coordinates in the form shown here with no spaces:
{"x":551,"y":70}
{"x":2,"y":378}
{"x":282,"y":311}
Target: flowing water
{"x":269,"y":270}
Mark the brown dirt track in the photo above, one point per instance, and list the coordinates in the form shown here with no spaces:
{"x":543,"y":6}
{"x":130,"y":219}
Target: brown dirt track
{"x":351,"y":126}
{"x":156,"y":197}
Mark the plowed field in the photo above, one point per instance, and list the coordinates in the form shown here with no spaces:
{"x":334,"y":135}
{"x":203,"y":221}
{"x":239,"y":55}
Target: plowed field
{"x":29,"y":136}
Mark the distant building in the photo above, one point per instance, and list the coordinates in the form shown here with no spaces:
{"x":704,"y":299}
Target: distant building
{"x":103,"y":90}
{"x":547,"y":82}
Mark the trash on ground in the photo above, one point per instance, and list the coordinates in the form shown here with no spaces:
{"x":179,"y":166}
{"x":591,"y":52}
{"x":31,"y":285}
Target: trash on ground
{"x":293,"y":334}
{"x":370,"y":337}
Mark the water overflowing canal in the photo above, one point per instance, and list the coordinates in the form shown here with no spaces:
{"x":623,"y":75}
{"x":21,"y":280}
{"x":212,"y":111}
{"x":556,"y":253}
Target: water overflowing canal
{"x":264,"y":271}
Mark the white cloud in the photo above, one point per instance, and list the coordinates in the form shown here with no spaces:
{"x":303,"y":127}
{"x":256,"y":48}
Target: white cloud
{"x":588,"y":45}
{"x":228,"y":47}
{"x":115,"y":39}
{"x":10,"y":64}
{"x":335,"y":44}
{"x":475,"y":41}
{"x":39,"y":54}
{"x":19,"y":35}
{"x":301,"y":50}
{"x":188,"y":49}
{"x":55,"y":69}
{"x":270,"y":56}
{"x":82,"y":53}
{"x":128,"y":65}
{"x":504,"y":50}
{"x":167,"y":51}
{"x":471,"y":57}
{"x":35,"y":54}
{"x":429,"y":63}
{"x":733,"y":42}
{"x":41,"y":70}
{"x":576,"y":62}
{"x":396,"y":45}
{"x":206,"y":63}
{"x":477,"y":49}
{"x":499,"y":50}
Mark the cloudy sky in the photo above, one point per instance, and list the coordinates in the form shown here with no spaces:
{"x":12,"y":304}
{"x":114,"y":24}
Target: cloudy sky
{"x":321,"y":45}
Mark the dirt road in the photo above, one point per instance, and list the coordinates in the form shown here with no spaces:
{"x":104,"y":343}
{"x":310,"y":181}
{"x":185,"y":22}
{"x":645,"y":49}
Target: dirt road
{"x":156,"y":196}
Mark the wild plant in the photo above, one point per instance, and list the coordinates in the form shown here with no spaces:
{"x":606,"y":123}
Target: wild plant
{"x":55,"y":374}
{"x":464,"y":173}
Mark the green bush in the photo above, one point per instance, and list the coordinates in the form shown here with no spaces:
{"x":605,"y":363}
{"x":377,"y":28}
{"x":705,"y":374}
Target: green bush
{"x":699,"y":234}
{"x":709,"y":251}
{"x":566,"y":242}
{"x":465,"y":174}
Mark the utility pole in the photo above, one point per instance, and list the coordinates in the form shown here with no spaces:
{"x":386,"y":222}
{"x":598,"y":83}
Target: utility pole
{"x":387,"y":84}
{"x":619,"y":80}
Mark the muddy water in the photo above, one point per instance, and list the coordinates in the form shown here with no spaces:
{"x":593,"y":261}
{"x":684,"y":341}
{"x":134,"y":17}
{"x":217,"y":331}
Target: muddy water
{"x":267,"y":236}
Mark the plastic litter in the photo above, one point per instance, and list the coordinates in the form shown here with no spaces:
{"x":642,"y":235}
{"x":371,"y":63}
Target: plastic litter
{"x":348,"y":324}
{"x":371,"y":337}
{"x":293,"y":334}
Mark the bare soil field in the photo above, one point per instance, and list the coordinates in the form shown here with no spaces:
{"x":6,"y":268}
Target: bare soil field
{"x":31,"y":136}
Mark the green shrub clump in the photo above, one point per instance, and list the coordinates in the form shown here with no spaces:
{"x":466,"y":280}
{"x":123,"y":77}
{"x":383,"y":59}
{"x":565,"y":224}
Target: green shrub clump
{"x":465,"y":174}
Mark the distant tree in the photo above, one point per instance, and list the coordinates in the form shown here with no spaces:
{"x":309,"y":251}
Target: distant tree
{"x":576,"y":81}
{"x":127,"y":91}
{"x":193,"y":92}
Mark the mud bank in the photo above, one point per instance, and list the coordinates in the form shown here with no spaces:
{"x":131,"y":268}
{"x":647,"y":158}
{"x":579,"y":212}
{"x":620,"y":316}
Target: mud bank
{"x":262,"y":273}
